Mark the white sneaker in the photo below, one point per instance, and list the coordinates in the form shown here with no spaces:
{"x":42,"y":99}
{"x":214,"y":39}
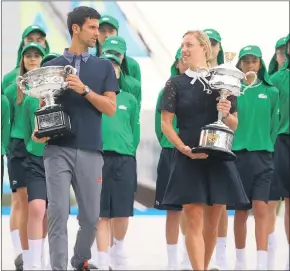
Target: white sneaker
{"x":240,"y":266}
{"x":222,"y":264}
{"x":171,"y":267}
{"x":119,"y":262}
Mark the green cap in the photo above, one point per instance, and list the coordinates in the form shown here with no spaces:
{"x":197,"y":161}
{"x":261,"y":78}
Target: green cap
{"x":173,"y":70}
{"x":254,"y":50}
{"x":107,"y":19}
{"x":34,"y":45}
{"x":33,"y":28}
{"x":49,"y":57}
{"x":280,"y":42}
{"x":213,"y":34}
{"x":115,"y":43}
{"x":111,"y":57}
{"x":250,"y":50}
{"x":273,"y":66}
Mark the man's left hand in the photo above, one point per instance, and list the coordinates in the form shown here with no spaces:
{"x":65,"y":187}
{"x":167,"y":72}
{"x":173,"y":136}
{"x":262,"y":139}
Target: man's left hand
{"x":75,"y":83}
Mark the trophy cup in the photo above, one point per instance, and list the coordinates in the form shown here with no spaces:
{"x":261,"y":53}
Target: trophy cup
{"x":216,"y":139}
{"x":47,"y":83}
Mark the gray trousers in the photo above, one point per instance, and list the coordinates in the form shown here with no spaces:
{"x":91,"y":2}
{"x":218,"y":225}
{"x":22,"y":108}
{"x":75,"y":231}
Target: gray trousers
{"x":83,"y":170}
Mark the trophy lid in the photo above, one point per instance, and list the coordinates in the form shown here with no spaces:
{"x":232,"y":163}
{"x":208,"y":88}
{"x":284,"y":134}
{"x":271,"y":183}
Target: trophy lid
{"x":229,"y":69}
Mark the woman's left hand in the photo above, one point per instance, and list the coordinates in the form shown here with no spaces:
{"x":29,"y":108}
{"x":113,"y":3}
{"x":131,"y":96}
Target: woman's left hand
{"x":224,"y":107}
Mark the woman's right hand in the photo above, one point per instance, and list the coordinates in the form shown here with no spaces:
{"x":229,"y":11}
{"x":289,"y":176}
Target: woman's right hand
{"x":186,"y":150}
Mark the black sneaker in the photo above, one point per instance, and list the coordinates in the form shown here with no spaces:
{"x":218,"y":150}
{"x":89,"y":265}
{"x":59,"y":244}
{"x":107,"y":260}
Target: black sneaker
{"x":18,"y":262}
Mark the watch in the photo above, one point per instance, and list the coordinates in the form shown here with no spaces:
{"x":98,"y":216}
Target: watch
{"x":86,"y":91}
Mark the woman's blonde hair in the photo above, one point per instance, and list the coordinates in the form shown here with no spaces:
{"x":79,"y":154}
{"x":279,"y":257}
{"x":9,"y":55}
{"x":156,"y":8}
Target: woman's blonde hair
{"x":22,"y":71}
{"x":204,"y":41}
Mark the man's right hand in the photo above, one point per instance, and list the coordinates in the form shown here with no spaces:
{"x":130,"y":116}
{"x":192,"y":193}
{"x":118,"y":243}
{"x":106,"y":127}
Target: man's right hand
{"x":39,"y":140}
{"x":186,"y":150}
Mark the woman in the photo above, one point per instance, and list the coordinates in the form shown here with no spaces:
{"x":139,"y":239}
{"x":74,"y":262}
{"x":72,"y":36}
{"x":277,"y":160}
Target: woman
{"x":31,"y":56}
{"x":254,"y":142}
{"x":172,"y":214}
{"x":282,"y":147}
{"x":197,"y":183}
{"x":35,"y":175}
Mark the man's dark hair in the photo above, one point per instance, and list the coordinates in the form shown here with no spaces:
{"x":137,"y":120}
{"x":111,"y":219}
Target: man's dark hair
{"x":79,"y":15}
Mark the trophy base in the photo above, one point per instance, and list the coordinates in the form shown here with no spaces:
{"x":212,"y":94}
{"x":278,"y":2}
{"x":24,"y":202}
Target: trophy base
{"x":216,"y":152}
{"x":53,"y":122}
{"x":57,"y":132}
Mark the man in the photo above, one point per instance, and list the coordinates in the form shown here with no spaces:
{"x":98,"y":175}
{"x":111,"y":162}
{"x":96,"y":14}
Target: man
{"x":121,"y":137}
{"x":77,"y":159}
{"x":109,"y":26}
{"x":116,"y":45}
{"x":281,"y":158}
{"x":32,"y":33}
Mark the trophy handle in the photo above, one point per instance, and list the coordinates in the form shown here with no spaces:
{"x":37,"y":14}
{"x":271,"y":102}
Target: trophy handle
{"x":199,"y":70}
{"x":21,"y":83}
{"x":253,"y":83}
{"x":68,"y":69}
{"x":223,"y":96}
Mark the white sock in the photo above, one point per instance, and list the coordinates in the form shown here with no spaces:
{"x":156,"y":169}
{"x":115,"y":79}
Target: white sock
{"x":119,"y":246}
{"x":26,"y":259}
{"x":287,"y":263}
{"x":35,"y":251}
{"x":271,"y":251}
{"x":94,"y":253}
{"x":172,"y":255}
{"x":240,"y":259}
{"x":43,"y":254}
{"x":261,"y":260}
{"x":221,"y":246}
{"x":103,"y":260}
{"x":16,"y":242}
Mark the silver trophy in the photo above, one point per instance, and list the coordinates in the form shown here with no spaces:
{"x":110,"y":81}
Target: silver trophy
{"x":217,"y":138}
{"x":47,"y":83}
